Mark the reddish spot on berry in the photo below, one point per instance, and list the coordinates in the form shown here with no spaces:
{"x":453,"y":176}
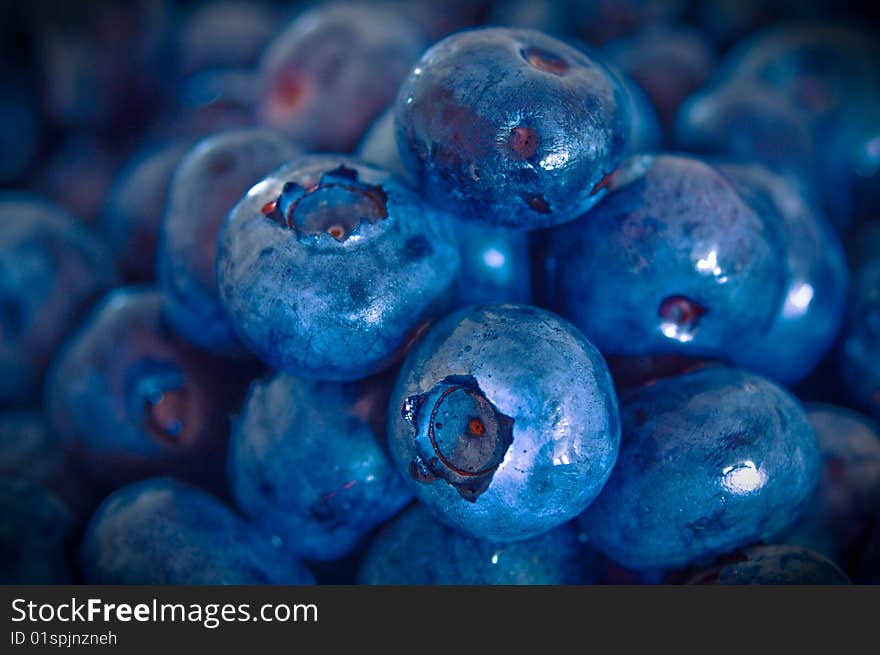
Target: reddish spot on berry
{"x":538,"y":204}
{"x":545,"y":61}
{"x":523,"y":142}
{"x":476,"y":427}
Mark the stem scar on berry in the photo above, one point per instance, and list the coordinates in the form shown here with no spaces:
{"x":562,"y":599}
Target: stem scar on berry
{"x":336,"y":205}
{"x":462,"y":437}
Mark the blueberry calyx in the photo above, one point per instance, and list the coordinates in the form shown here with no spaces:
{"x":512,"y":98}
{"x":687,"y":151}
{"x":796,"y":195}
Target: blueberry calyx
{"x":336,"y":205}
{"x":462,"y":439}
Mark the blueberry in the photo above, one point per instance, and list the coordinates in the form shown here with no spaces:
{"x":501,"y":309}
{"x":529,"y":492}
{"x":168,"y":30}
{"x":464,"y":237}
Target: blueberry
{"x":36,"y":532}
{"x":848,"y":495}
{"x":710,"y":461}
{"x":330,"y":73}
{"x":669,"y":63}
{"x":505,"y":421}
{"x":439,"y":19}
{"x":673,"y":260}
{"x":306,"y":466}
{"x":207,"y":184}
{"x":135,"y":206}
{"x":30,"y":449}
{"x":511,"y":127}
{"x":130,"y":400}
{"x":328,"y":268}
{"x":416,"y":549}
{"x":51,"y":268}
{"x":161,"y":531}
{"x":811,"y":311}
{"x":772,"y":565}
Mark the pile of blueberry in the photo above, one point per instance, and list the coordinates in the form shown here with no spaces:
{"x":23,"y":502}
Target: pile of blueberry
{"x":420,"y":292}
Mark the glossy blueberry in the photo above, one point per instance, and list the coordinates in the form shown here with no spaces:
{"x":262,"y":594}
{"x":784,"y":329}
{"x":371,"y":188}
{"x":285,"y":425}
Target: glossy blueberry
{"x":416,"y":549}
{"x":504,"y":419}
{"x":511,"y":127}
{"x":31,"y":450}
{"x":130,"y":400}
{"x":669,"y":63}
{"x":710,"y":461}
{"x":135,"y":207}
{"x":329,"y":267}
{"x":673,"y":260}
{"x":772,"y":565}
{"x":859,"y":347}
{"x":333,"y":70}
{"x":211,"y":101}
{"x":306,"y":465}
{"x":840,"y":514}
{"x":161,"y":531}
{"x":811,"y":310}
{"x":206,"y":185}
{"x":36,"y":531}
{"x":51,"y":268}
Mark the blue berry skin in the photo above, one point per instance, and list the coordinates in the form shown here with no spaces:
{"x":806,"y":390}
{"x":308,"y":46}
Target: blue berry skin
{"x":36,"y":531}
{"x":511,"y":127}
{"x":504,"y":419}
{"x":772,"y":565}
{"x":30,"y":449}
{"x":209,"y":181}
{"x":416,"y":549}
{"x":135,"y":206}
{"x":710,"y":461}
{"x":495,"y":261}
{"x":162,"y":531}
{"x":332,"y":71}
{"x":859,"y":347}
{"x":673,"y":260}
{"x":129,"y":400}
{"x":305,"y":465}
{"x":668,"y":62}
{"x":811,"y":311}
{"x":843,"y":506}
{"x":329,"y":267}
{"x":51,"y":268}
